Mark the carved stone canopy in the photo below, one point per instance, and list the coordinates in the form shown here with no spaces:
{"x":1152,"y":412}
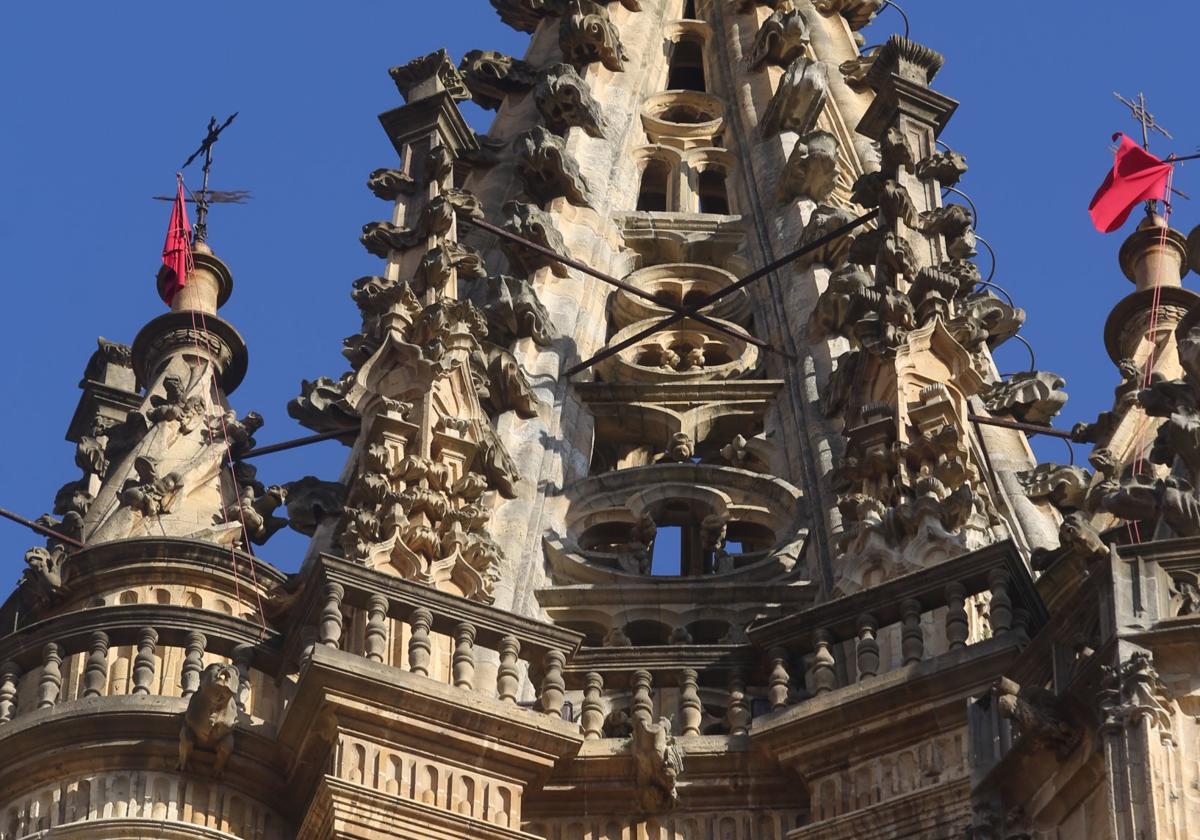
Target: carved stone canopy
{"x":425,"y":76}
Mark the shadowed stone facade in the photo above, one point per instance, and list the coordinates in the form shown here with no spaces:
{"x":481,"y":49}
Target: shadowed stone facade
{"x":766,"y":570}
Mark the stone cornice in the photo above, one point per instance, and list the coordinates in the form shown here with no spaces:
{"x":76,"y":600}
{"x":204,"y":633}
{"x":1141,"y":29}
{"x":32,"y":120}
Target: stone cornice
{"x":353,"y":693}
{"x":889,"y":710}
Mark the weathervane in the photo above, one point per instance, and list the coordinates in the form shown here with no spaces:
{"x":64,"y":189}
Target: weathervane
{"x":204,"y":196}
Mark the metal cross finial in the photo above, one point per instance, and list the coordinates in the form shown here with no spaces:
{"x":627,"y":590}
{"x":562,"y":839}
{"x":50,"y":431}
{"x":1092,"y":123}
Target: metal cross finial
{"x":1144,"y":117}
{"x":204,"y":197}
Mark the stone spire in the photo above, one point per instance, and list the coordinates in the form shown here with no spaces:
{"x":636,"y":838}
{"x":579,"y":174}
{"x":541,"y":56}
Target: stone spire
{"x":155,"y":434}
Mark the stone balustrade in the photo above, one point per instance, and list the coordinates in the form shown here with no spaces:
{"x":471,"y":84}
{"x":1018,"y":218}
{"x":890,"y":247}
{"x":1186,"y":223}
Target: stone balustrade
{"x":434,"y":634}
{"x":138,"y":649}
{"x":938,"y":611}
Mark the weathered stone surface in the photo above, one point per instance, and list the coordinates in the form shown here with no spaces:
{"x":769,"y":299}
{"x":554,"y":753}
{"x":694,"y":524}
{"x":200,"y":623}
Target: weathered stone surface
{"x":798,"y":100}
{"x":548,"y":170}
{"x":812,"y":168}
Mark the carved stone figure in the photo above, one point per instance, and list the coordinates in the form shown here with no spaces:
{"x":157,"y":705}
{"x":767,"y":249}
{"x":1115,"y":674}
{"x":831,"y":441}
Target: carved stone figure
{"x":564,"y":100}
{"x":1000,"y":319}
{"x":855,"y":70}
{"x":42,"y":581}
{"x":491,"y":76}
{"x":954,"y":222}
{"x":311,"y":501}
{"x":493,"y":460}
{"x":173,"y":405}
{"x":508,"y":387}
{"x":586,"y":34}
{"x":390,"y":184}
{"x":381,"y":238}
{"x":547,"y":170}
{"x":148,"y":492}
{"x":1038,"y":713}
{"x":798,"y":100}
{"x":322,"y":406}
{"x":525,"y":15}
{"x":659,"y":761}
{"x":824,"y":221}
{"x":636,"y":555}
{"x":858,"y":13}
{"x":210,"y":717}
{"x":1030,"y":397}
{"x":1065,"y":487}
{"x":239,"y":434}
{"x":812,"y":168}
{"x":536,"y":225}
{"x":946,"y":167}
{"x":255,"y":508}
{"x":781,"y":39}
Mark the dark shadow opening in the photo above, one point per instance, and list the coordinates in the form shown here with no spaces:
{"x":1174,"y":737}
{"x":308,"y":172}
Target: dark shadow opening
{"x":713,"y":196}
{"x":687,"y":67}
{"x":653,"y":193}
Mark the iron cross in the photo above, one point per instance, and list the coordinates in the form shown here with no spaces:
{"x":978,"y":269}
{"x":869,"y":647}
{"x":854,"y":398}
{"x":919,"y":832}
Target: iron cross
{"x":204,"y":197}
{"x":1144,"y":117}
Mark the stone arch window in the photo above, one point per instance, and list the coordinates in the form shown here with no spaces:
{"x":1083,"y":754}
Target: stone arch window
{"x":655,"y":187}
{"x":712,"y":191}
{"x":686,"y":68}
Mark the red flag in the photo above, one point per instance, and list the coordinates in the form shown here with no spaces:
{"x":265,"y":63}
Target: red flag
{"x":177,"y":250}
{"x":1136,"y":176}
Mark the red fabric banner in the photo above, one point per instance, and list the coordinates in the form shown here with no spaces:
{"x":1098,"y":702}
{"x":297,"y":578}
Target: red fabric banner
{"x":177,"y":250}
{"x":1136,"y":176}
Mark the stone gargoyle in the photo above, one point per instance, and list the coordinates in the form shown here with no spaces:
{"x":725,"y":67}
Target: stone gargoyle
{"x":1038,"y":713}
{"x":658,"y":761}
{"x":210,"y":717}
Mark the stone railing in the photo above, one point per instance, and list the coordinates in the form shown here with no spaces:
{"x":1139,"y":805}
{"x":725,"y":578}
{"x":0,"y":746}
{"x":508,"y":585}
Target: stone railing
{"x":937,"y":611}
{"x":139,"y":649}
{"x":434,"y":634}
{"x":703,"y":689}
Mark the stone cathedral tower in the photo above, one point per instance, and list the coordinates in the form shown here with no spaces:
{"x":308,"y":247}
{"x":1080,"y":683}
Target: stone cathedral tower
{"x":683,"y":498}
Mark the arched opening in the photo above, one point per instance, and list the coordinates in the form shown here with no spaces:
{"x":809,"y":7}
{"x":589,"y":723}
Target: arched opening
{"x":655,"y":179}
{"x":689,"y":10}
{"x":667,"y":557}
{"x":687,"y":67}
{"x":713,"y":196}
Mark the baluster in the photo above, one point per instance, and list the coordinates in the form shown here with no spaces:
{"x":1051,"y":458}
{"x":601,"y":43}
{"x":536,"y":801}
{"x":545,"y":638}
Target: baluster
{"x":95,"y":674}
{"x":310,"y":640}
{"x":9,"y":674}
{"x":143,"y":663}
{"x":1000,"y":612}
{"x":463,"y":663}
{"x":377,"y":607}
{"x":737,"y":715}
{"x":690,"y":709}
{"x":331,"y":615}
{"x":591,"y":717}
{"x":508,"y":678}
{"x":642,"y":707}
{"x":824,"y":676}
{"x":912,"y":637}
{"x":419,"y":646}
{"x":553,"y":687}
{"x":51,"y":680}
{"x":777,"y":691}
{"x":193,"y":662}
{"x":243,"y":656}
{"x":956,"y":615}
{"x":1020,"y":626}
{"x":866,"y":647}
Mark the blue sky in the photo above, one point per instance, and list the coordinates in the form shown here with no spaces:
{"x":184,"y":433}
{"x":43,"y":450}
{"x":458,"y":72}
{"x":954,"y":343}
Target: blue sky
{"x":102,"y":102}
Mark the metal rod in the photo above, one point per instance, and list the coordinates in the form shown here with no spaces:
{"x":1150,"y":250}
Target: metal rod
{"x":720,"y":293}
{"x":41,"y":529}
{"x":620,"y":284}
{"x":292,"y":444}
{"x":1032,"y":428}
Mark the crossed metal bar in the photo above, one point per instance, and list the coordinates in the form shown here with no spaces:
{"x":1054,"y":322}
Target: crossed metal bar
{"x":733,"y":331}
{"x":691,"y":311}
